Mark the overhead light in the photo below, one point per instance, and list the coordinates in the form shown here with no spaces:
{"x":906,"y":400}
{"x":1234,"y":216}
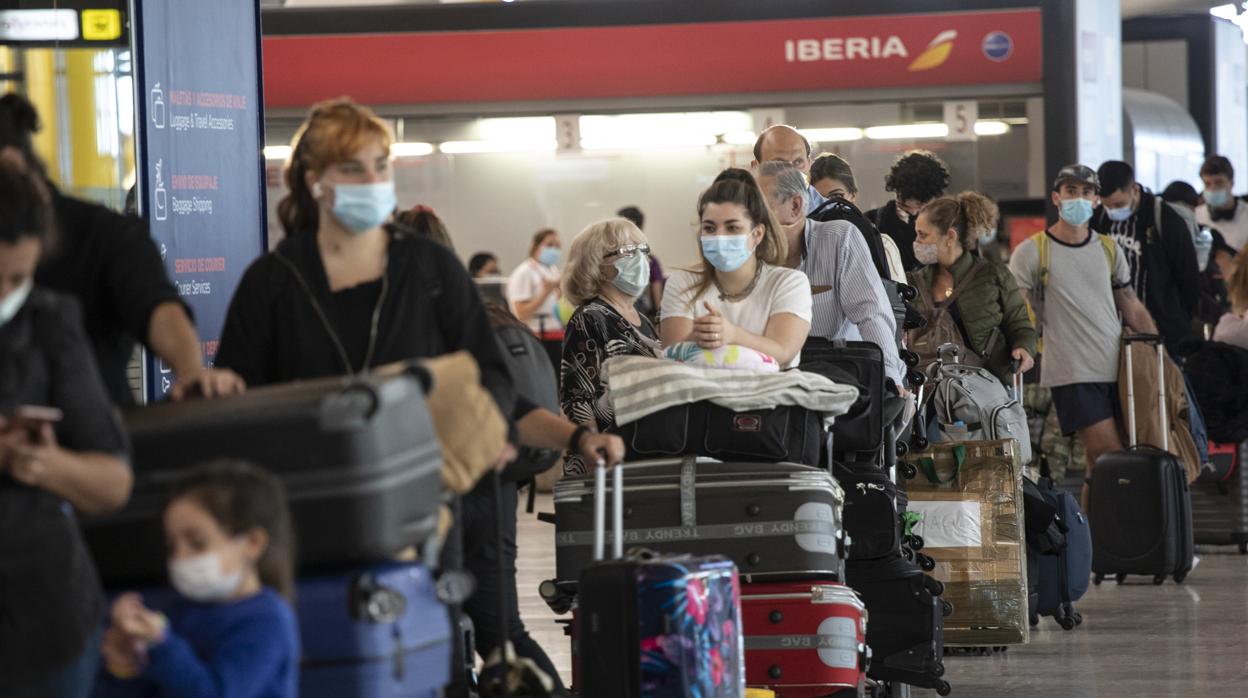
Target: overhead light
{"x":276,"y":152}
{"x":991,"y":128}
{"x":740,"y":138}
{"x":516,"y":146}
{"x":832,"y":135}
{"x":410,"y":150}
{"x":664,"y":130}
{"x":907,"y":131}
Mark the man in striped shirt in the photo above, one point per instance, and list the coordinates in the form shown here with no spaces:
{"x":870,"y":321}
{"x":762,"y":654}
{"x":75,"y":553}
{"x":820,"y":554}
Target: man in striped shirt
{"x":849,"y":299}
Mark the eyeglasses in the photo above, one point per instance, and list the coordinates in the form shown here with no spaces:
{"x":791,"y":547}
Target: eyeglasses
{"x":628,"y":251}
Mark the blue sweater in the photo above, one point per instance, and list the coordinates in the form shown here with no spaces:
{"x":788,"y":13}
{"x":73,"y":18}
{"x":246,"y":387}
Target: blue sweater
{"x":244,"y":649}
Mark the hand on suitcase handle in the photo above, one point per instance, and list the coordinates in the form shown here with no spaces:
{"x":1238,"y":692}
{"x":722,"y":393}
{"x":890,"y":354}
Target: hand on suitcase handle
{"x":604,"y":450}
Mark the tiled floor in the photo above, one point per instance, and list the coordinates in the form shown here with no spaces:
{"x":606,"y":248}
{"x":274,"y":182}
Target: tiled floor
{"x":1136,"y":640}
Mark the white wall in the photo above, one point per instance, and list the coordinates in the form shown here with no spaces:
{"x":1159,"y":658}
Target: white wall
{"x":1231,"y":118}
{"x":1098,"y":80}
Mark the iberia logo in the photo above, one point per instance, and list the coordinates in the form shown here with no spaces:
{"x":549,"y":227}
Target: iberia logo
{"x":936,"y":52}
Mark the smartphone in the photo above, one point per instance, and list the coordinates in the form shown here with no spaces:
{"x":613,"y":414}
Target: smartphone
{"x":33,"y":417}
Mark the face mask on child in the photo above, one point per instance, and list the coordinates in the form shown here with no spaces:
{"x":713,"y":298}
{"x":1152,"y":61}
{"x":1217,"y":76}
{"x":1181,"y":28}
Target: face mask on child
{"x":202,"y":578}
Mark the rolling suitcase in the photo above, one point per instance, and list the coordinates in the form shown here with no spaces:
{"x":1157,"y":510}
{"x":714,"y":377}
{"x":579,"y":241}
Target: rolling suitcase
{"x":1220,"y":508}
{"x":655,"y":626}
{"x":1057,"y":580}
{"x":804,"y":640}
{"x":378,"y":632}
{"x":358,"y":456}
{"x":905,"y":622}
{"x":775,"y":521}
{"x":1139,"y":504}
{"x":860,"y":436}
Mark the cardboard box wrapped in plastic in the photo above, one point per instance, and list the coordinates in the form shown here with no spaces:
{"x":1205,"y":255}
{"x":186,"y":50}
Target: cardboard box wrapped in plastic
{"x":970,"y":501}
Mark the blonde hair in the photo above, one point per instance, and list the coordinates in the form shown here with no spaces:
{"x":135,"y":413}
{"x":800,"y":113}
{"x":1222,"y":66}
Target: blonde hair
{"x":332,"y":133}
{"x":1237,"y":285}
{"x":969,"y":214}
{"x":583,"y":277}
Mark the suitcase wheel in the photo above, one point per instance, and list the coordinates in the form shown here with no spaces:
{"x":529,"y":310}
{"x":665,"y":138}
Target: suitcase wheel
{"x":946,"y":608}
{"x":909,"y":358}
{"x":1159,"y":579}
{"x":908,"y":470}
{"x":1078,"y":618}
{"x":903,"y":448}
{"x":938,"y":670}
{"x":1034,"y":620}
{"x":1066,"y":622}
{"x":1178,"y":578}
{"x":943,"y":688}
{"x":916,"y":542}
{"x":1120,"y":577}
{"x":928,"y":564}
{"x":1098,"y":578}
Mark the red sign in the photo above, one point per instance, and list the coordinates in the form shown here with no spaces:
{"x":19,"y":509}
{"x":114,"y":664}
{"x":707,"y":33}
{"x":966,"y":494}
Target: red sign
{"x":939,"y":49}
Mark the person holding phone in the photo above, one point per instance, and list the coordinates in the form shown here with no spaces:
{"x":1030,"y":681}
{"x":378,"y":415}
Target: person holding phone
{"x":62,"y":452}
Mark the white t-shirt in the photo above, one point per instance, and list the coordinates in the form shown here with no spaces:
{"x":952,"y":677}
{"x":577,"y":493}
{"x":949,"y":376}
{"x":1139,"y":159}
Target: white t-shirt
{"x":779,"y":290}
{"x":1235,"y":230}
{"x":525,"y":284}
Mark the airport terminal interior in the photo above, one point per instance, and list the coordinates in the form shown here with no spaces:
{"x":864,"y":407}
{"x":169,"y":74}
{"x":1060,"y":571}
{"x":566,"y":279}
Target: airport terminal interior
{"x":623,"y":348}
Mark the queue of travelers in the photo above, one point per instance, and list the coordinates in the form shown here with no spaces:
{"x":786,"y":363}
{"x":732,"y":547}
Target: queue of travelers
{"x":355,"y":286}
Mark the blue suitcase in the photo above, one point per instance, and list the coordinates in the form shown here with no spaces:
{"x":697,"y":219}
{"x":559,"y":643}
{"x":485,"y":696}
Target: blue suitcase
{"x":378,"y":632}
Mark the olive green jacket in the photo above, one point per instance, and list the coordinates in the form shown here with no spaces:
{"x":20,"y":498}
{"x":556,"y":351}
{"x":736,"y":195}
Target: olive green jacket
{"x":993,"y":312}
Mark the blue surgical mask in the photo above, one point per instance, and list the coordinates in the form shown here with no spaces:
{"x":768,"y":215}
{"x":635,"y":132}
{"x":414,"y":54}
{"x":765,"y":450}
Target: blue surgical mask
{"x":726,"y":252}
{"x":634,"y":274}
{"x":987,"y":237}
{"x":362,"y":207}
{"x":1076,"y":212}
{"x":548,"y":256}
{"x":12,"y":303}
{"x":1217,"y":198}
{"x":1118,"y":214}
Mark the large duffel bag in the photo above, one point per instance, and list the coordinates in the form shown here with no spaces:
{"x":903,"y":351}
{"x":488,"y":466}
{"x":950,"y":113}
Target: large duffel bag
{"x":786,"y":433}
{"x":358,"y":456}
{"x":775,"y":521}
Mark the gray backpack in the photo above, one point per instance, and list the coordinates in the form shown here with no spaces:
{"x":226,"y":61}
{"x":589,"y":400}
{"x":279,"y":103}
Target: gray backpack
{"x":972,"y":405}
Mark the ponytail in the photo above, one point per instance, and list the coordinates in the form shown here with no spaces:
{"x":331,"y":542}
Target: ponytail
{"x":969,"y":214}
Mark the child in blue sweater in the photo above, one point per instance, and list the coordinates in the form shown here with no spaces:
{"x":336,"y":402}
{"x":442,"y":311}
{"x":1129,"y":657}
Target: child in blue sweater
{"x":232,"y":632}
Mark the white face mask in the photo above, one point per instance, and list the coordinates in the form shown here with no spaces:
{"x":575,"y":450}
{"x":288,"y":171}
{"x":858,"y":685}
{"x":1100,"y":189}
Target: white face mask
{"x":201,"y":578}
{"x":12,"y":303}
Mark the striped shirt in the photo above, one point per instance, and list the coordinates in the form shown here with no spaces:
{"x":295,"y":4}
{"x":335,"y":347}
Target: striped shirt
{"x":856,"y":306}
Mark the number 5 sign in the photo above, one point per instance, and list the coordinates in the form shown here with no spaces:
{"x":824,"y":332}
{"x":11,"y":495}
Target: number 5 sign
{"x":960,"y":118}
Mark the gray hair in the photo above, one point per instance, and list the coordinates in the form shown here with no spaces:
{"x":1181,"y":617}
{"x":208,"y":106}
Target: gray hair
{"x":789,"y":180}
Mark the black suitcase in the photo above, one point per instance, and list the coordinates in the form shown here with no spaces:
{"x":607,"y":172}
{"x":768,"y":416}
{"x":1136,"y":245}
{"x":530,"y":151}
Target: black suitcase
{"x":359,"y":459}
{"x":1140,"y":508}
{"x":871,"y":515}
{"x":1220,"y":509}
{"x":775,"y":521}
{"x":906,"y":621}
{"x":862,"y":433}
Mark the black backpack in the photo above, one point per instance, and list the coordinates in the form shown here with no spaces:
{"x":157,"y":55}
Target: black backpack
{"x":533,"y":378}
{"x":838,"y":209}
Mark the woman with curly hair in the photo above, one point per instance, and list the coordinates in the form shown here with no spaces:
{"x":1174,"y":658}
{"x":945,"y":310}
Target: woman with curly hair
{"x":917,"y":178}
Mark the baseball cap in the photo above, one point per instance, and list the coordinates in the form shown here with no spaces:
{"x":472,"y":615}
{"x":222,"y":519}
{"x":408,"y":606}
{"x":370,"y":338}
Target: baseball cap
{"x":1077,"y":173}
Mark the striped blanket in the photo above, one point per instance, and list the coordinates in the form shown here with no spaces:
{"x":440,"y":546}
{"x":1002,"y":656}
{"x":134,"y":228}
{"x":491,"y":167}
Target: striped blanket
{"x":638,"y":386}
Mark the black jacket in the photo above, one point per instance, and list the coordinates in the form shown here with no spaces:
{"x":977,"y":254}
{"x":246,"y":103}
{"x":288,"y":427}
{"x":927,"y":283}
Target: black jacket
{"x":50,"y":598}
{"x":111,"y":265}
{"x":273,"y":333}
{"x":1164,"y":273}
{"x":889,"y":222}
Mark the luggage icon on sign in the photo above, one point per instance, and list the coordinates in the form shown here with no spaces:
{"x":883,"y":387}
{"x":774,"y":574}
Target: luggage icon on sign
{"x":158,"y":195}
{"x":158,"y":106}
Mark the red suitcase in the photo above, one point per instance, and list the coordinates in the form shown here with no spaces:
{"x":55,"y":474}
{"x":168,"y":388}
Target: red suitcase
{"x":804,"y":640}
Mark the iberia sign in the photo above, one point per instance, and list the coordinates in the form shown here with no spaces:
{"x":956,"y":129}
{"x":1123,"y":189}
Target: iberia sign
{"x":713,"y":58}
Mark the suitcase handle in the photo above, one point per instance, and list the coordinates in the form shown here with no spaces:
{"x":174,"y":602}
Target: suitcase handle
{"x":617,"y":510}
{"x":1127,"y":341}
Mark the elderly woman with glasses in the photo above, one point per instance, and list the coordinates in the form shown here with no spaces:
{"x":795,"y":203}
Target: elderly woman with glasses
{"x":608,"y":268}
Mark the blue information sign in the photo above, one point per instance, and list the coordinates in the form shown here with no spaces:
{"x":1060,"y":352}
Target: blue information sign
{"x":201,"y":166}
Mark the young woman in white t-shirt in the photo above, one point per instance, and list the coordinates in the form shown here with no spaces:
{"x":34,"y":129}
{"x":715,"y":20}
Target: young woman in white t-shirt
{"x":533,"y":288}
{"x":741,"y":294}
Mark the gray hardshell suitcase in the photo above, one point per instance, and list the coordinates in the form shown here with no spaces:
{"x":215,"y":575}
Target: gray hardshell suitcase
{"x":1220,"y":509}
{"x":776,"y":521}
{"x":358,"y":456}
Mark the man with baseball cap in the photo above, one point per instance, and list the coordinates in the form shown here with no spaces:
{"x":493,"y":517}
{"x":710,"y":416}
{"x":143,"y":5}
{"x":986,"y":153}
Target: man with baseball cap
{"x":1077,"y":282}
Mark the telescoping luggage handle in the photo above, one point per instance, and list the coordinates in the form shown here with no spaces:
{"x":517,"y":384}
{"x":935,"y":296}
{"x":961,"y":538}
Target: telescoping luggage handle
{"x":1127,"y":341}
{"x":617,"y":510}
